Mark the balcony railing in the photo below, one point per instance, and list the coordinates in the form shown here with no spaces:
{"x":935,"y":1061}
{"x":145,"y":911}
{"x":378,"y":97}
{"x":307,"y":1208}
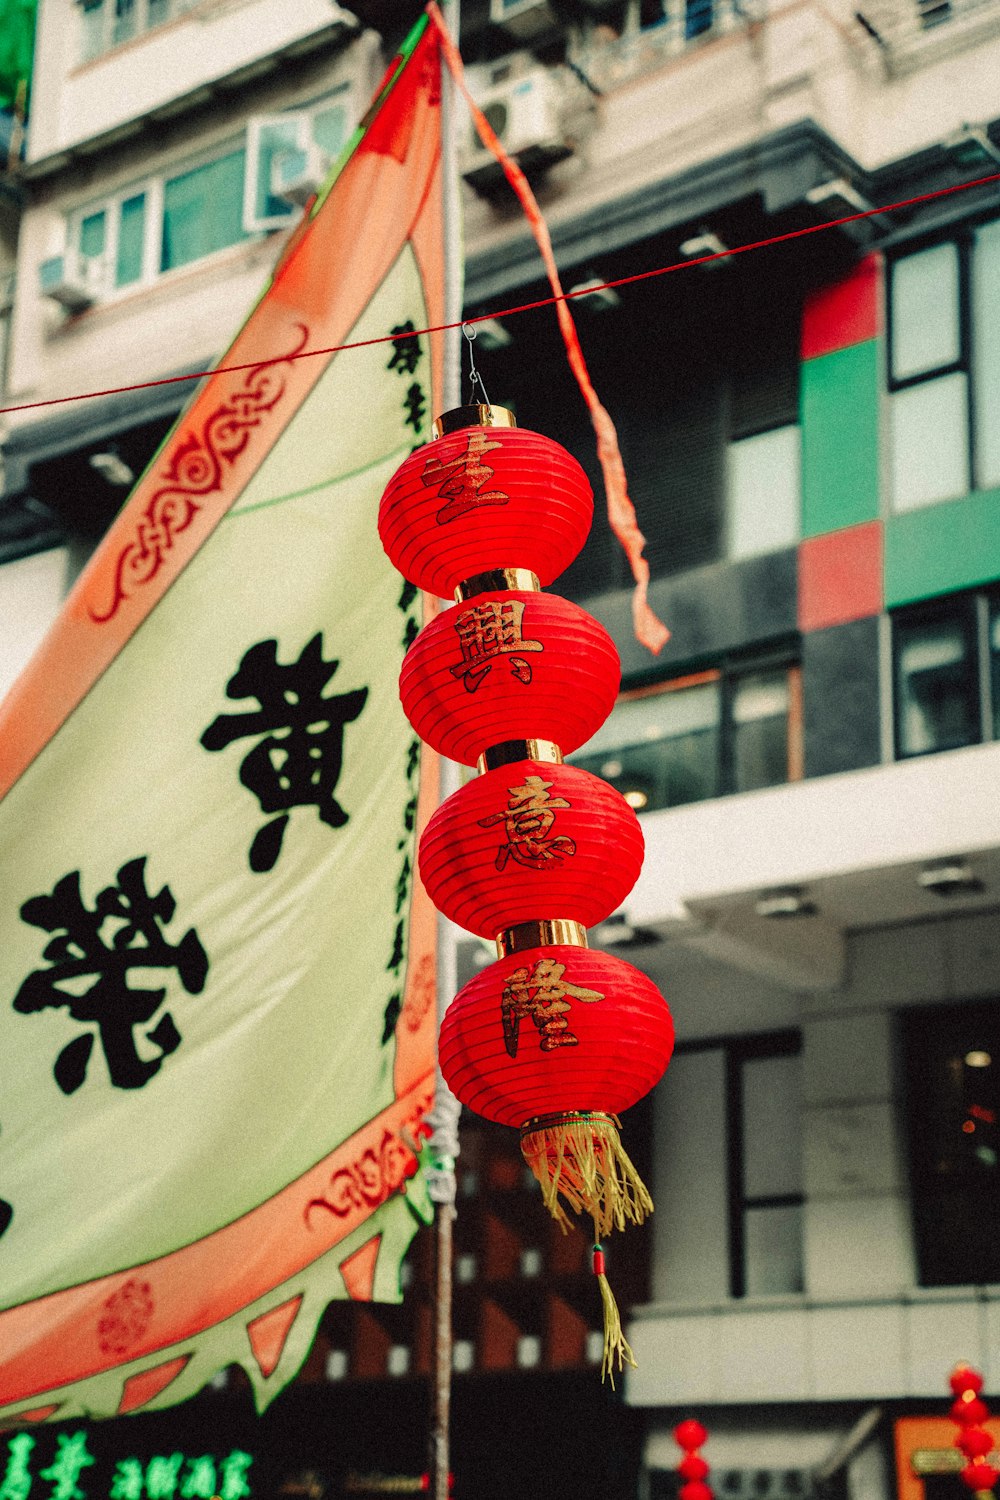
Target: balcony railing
{"x":910,"y":31}
{"x":608,"y":61}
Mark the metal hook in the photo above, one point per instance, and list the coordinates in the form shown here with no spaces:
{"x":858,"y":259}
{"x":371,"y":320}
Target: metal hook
{"x":475,"y":379}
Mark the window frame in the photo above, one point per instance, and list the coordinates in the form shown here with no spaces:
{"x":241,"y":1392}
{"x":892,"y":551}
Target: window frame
{"x":729,"y":673}
{"x":143,"y":25}
{"x":963,"y":237}
{"x":153,"y":188}
{"x":975,"y":609}
{"x":737,"y":1050}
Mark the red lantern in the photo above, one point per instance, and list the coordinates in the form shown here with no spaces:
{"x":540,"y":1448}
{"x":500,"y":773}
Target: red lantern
{"x":531,"y":841}
{"x":689,"y":1435}
{"x":692,"y":1466}
{"x":974,"y":1442}
{"x":965,"y":1378}
{"x":553,"y":1030}
{"x":980,"y":1476}
{"x":483,"y":497}
{"x":969,"y":1411}
{"x":509,"y":665}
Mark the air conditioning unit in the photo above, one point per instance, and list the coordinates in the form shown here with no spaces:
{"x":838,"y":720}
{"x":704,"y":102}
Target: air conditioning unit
{"x":527,"y":113}
{"x":296,"y":175}
{"x":527,"y":20}
{"x":75,"y":282}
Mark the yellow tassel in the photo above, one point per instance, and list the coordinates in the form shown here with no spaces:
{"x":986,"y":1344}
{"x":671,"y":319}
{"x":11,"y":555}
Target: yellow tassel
{"x":616,"y":1345}
{"x":579,"y":1158}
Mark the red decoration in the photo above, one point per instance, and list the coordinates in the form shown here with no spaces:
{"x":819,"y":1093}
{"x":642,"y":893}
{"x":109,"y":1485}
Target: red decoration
{"x":509,"y":665}
{"x":555,"y":1029}
{"x":531,"y":841}
{"x":980,"y":1476}
{"x":969,"y":1412}
{"x":689,"y":1435}
{"x":972,"y":1440}
{"x":484,"y":498}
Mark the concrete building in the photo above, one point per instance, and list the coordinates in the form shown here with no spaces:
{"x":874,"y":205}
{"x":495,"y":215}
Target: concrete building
{"x":812,"y":435}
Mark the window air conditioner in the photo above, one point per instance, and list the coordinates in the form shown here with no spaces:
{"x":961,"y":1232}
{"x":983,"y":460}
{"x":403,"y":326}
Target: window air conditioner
{"x":75,"y":282}
{"x":527,"y":114}
{"x":527,"y":20}
{"x":297,"y":174}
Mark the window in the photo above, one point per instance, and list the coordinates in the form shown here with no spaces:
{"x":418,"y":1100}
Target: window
{"x":946,"y":661}
{"x":158,"y":225}
{"x":764,"y":492}
{"x":109,"y":23}
{"x":737,"y":1103}
{"x":944,"y":369}
{"x":289,"y":155}
{"x":202,"y":211}
{"x":951,"y":1058}
{"x":701,"y":736}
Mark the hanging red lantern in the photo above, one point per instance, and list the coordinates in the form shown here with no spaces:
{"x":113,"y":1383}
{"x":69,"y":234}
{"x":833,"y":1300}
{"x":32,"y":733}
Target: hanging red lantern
{"x":553,"y":1038}
{"x":531,"y":841}
{"x":556,"y":1028}
{"x":689,"y":1435}
{"x":972,"y":1440}
{"x":509,"y":664}
{"x":485,"y":495}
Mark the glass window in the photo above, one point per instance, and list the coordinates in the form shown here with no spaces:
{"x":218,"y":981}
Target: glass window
{"x":661,"y":750}
{"x":329,"y":128}
{"x":759,"y":714}
{"x":986,"y":353}
{"x":773,"y":1250}
{"x":202,"y":211}
{"x":937,"y":699}
{"x":930,"y":442}
{"x":131,"y":240}
{"x":952,"y":1081}
{"x":93,"y":230}
{"x":270,"y":140}
{"x":925,"y":327}
{"x":764,"y":492}
{"x":697,"y":17}
{"x":124,"y":24}
{"x":92,"y":19}
{"x":772,"y":1135}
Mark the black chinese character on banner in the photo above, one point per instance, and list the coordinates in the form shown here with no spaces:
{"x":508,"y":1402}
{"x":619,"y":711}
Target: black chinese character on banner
{"x":121,"y":933}
{"x":406,"y":350}
{"x":6,"y":1214}
{"x":300,"y":750}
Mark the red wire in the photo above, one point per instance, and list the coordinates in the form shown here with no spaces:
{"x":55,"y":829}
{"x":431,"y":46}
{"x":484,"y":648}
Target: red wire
{"x":510,"y":312}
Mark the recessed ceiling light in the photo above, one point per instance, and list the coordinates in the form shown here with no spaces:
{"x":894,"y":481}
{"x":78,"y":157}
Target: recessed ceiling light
{"x":949,"y":877}
{"x":977,"y":1058}
{"x":788,"y":901}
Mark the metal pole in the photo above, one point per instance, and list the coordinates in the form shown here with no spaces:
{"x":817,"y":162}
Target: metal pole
{"x":444,"y":1141}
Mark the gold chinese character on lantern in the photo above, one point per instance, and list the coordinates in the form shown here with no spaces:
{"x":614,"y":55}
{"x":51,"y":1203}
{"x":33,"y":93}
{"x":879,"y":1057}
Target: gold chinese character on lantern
{"x":528,"y":821}
{"x":540,"y":994}
{"x":459,"y":481}
{"x":488,"y":631}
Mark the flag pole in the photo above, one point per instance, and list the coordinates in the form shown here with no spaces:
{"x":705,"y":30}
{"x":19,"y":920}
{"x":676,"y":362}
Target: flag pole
{"x":444,"y":1140}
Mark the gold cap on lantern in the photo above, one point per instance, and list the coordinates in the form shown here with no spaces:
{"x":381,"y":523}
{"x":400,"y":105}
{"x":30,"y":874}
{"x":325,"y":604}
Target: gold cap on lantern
{"x":496,"y":579}
{"x":509,"y":751}
{"x":472,"y":416}
{"x":540,"y":934}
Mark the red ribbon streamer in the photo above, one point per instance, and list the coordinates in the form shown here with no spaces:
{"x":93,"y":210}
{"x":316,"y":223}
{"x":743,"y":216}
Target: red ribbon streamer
{"x":649,"y":630}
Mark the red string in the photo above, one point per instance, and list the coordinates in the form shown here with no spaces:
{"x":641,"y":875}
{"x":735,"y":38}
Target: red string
{"x":521,"y":307}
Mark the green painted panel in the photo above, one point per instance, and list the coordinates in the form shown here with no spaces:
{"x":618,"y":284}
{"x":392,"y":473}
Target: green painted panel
{"x":840,"y":402}
{"x":955,"y":545}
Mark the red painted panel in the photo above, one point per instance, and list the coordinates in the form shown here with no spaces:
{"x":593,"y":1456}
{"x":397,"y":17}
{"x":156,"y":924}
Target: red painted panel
{"x":840,"y":576}
{"x":845,"y":313}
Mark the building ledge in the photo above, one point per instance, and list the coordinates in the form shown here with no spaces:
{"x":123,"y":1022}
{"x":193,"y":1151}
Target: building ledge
{"x":809,"y":1349}
{"x":852,"y":846}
